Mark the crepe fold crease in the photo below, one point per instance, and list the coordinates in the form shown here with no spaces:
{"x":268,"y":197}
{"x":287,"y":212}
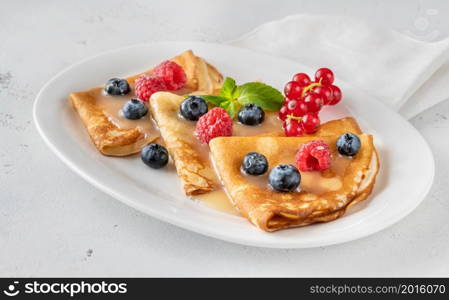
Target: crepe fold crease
{"x":191,"y":158}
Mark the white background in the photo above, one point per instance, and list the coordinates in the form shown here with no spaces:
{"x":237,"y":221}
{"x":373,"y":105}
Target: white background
{"x":52,"y":223}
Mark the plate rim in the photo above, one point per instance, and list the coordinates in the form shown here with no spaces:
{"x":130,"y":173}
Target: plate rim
{"x":189,"y":225}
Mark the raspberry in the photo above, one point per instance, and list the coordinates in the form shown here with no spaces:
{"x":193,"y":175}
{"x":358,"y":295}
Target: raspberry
{"x":215,"y":123}
{"x":171,"y":74}
{"x":146,"y":85}
{"x":313,"y":156}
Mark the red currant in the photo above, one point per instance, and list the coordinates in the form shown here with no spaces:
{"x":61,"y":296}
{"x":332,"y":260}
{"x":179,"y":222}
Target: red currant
{"x":310,"y":123}
{"x":299,"y":110}
{"x":302,"y":78}
{"x":291,"y":105}
{"x":296,"y":108}
{"x":336,"y":94}
{"x":293,"y":90}
{"x":292,"y":127}
{"x":283,"y":112}
{"x":325,"y":93}
{"x":313,"y":102}
{"x":325,"y":76}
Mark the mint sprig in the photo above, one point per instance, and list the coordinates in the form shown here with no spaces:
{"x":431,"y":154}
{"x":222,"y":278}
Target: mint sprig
{"x":228,"y":88}
{"x":215,"y":100}
{"x":233,"y":97}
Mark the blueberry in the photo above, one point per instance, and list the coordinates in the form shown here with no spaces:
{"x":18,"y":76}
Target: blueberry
{"x":348,"y":144}
{"x":251,"y":114}
{"x":134,"y":109}
{"x":117,"y":87}
{"x":284,"y":178}
{"x":254,"y":164}
{"x":193,"y":107}
{"x":154,"y":156}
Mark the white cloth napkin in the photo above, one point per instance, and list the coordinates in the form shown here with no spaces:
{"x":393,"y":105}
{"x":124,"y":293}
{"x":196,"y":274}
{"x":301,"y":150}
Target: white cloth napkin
{"x":407,"y":74}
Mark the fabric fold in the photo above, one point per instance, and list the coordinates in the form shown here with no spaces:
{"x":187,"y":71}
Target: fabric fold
{"x":402,"y":72}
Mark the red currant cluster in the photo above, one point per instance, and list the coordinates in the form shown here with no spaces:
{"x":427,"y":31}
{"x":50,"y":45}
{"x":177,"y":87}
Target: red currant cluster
{"x":304,"y":100}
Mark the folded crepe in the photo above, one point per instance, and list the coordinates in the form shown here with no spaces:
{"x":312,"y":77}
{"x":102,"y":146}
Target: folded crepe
{"x":112,"y":134}
{"x":323,"y":196}
{"x":191,"y":158}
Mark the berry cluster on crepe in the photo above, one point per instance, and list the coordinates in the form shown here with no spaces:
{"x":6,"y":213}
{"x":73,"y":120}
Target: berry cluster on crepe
{"x":304,"y":100}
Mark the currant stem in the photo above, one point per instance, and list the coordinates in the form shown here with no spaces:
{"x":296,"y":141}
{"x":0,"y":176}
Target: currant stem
{"x":294,"y":117}
{"x":310,"y":87}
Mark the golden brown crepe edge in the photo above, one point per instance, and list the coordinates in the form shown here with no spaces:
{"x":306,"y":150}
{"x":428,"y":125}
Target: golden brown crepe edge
{"x":360,"y":196}
{"x":106,"y":136}
{"x":113,"y":141}
{"x":194,"y":175}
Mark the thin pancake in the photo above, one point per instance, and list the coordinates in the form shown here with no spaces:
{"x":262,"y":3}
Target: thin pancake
{"x":324,"y":196}
{"x":104,"y":128}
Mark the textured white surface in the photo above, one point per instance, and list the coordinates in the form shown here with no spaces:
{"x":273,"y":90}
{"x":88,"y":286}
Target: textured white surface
{"x":52,"y":223}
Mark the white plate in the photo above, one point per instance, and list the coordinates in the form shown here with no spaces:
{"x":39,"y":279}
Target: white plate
{"x":407,"y":166}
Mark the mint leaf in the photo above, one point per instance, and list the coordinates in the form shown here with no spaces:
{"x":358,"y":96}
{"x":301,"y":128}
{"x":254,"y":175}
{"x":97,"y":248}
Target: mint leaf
{"x":232,"y":107}
{"x":215,"y":100}
{"x":232,"y":97}
{"x":260,"y":94}
{"x":228,"y":88}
